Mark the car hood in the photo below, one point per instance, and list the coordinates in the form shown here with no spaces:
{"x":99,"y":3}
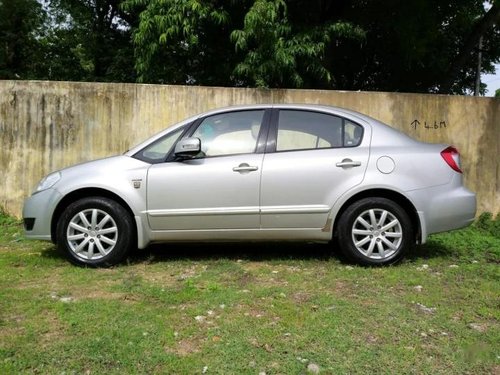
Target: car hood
{"x":101,"y":173}
{"x":118,"y":161}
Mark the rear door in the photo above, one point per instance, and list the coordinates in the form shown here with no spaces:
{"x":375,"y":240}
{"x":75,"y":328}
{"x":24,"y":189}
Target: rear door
{"x":315,"y":159}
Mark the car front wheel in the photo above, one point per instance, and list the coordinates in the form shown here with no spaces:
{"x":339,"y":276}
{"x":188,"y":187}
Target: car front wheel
{"x":375,"y":231}
{"x":95,"y":232}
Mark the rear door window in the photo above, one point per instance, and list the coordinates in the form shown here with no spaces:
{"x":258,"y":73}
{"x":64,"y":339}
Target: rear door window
{"x":306,"y":130}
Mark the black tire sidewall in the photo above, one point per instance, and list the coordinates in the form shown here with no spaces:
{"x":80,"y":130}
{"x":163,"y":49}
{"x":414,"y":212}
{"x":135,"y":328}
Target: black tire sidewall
{"x":120,"y":216}
{"x":346,"y":222}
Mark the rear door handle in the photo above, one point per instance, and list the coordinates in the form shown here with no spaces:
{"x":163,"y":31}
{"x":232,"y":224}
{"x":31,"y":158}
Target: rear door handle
{"x":244,"y":167}
{"x":348,"y":163}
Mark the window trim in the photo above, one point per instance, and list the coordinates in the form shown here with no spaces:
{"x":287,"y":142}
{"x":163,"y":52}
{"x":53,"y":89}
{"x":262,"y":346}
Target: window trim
{"x":272,"y":140}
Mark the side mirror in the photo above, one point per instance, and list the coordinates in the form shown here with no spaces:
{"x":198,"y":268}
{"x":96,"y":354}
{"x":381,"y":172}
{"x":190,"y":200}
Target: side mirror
{"x":188,"y":148}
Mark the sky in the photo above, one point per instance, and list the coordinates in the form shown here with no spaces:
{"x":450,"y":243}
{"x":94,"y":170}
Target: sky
{"x":492,"y":81}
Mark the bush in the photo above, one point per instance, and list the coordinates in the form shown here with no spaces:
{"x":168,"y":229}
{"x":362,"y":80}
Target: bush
{"x":487,"y":224}
{"x":6,"y":219}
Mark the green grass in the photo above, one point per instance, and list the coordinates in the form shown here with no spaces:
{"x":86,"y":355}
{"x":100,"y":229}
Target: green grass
{"x":253,"y":307}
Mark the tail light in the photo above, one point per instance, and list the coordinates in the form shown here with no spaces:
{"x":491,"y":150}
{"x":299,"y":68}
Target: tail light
{"x":452,"y":157}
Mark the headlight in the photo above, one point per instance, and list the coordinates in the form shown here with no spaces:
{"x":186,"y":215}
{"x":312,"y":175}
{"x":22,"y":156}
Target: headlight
{"x":48,"y":181}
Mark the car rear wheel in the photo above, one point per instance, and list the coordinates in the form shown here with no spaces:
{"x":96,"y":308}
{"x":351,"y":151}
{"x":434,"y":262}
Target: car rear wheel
{"x":95,"y":232}
{"x":375,"y":231}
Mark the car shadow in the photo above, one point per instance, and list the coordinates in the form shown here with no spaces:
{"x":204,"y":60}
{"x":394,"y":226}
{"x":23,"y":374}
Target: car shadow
{"x":258,"y":251}
{"x":51,"y":252}
{"x":430,"y":250}
{"x":251,"y":251}
{"x":254,"y":251}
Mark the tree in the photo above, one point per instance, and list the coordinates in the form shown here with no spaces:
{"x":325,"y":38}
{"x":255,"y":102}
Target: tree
{"x":394,"y":45}
{"x":202,"y":42}
{"x":279,"y":53}
{"x":185,"y":41}
{"x":20,"y":23}
{"x":411,"y":45}
{"x":480,"y":27}
{"x":66,"y":40}
{"x":97,"y":35}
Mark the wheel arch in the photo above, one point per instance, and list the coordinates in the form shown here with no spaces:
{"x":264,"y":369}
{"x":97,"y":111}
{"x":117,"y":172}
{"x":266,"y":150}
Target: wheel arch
{"x":84,"y":193}
{"x":392,"y":195}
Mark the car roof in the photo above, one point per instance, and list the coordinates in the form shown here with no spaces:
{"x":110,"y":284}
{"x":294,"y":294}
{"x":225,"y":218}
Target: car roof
{"x":300,"y":106}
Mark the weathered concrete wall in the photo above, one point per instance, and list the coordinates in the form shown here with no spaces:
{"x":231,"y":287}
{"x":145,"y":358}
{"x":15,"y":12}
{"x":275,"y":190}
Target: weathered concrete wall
{"x":45,"y":126}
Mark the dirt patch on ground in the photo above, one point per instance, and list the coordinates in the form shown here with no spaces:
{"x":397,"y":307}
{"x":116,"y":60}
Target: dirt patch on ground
{"x":103,"y":294}
{"x":8,"y":334}
{"x":185,"y":347}
{"x":245,"y":279}
{"x":54,"y":331}
{"x":57,"y":288}
{"x":301,"y":297}
{"x":168,"y":276}
{"x":100,"y":289}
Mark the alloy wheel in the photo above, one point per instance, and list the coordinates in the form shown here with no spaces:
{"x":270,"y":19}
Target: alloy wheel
{"x":92,"y":234}
{"x":377,"y":233}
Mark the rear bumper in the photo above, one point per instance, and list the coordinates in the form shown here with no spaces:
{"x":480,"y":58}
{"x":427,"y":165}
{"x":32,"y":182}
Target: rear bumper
{"x":444,"y":208}
{"x":37,"y":214}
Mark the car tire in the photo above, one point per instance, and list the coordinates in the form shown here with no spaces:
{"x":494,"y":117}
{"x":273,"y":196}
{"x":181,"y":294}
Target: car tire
{"x":95,"y":232}
{"x":375,"y":231}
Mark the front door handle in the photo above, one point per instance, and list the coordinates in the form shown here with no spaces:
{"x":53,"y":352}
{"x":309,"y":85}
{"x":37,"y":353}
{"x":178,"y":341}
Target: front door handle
{"x":348,"y":163}
{"x":244,"y":167}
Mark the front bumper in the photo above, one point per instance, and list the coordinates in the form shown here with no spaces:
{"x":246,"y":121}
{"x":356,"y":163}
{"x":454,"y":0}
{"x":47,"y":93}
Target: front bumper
{"x":37,"y":214}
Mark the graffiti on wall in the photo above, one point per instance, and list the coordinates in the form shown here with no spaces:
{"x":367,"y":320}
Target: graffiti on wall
{"x":428,"y":124}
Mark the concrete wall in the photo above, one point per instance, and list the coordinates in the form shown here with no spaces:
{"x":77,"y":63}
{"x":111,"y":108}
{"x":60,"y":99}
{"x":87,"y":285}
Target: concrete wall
{"x":45,"y":126}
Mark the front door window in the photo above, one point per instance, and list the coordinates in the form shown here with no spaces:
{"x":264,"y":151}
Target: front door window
{"x":230,"y":133}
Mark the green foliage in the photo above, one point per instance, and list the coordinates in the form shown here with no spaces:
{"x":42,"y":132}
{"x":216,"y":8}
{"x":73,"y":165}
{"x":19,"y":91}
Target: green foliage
{"x":410,"y":46}
{"x":92,"y":39}
{"x":278,"y":54}
{"x":65,"y":40}
{"x":181,"y":41}
{"x":488,"y":224}
{"x":353,"y":45}
{"x":20,"y":25}
{"x":6,"y":220}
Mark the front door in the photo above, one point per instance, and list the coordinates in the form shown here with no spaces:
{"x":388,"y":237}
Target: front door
{"x":219,"y":189}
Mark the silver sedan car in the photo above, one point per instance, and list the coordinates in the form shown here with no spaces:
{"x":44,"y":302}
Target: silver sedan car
{"x":262,"y":172}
